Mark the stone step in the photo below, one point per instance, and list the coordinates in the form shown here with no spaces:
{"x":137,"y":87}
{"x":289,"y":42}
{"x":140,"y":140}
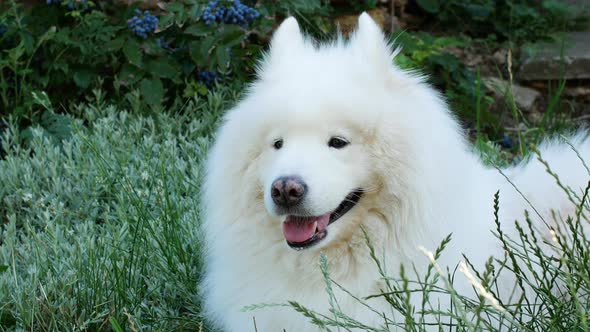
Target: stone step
{"x":524,"y":98}
{"x":547,"y":62}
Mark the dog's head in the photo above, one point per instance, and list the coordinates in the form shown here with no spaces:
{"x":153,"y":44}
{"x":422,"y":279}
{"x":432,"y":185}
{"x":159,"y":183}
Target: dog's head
{"x":313,"y":173}
{"x":316,"y":164}
{"x":326,"y":134}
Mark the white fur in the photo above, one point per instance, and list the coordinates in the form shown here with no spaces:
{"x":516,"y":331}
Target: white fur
{"x":407,"y":151}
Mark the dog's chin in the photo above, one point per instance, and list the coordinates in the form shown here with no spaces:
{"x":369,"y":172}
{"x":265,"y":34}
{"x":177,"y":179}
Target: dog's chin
{"x":303,"y":232}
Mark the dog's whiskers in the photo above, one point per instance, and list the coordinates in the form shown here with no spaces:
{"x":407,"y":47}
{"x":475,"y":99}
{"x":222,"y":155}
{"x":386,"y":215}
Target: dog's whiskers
{"x":372,"y":189}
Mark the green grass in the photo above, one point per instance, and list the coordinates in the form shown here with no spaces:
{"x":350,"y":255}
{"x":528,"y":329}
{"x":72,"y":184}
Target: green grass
{"x":103,"y":229}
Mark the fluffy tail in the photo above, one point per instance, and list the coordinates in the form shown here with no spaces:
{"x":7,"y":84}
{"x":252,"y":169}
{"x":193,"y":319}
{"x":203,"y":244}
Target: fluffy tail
{"x":557,"y":177}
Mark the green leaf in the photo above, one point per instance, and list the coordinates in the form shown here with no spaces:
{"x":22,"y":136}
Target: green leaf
{"x":16,"y":53}
{"x":48,"y":35}
{"x":55,"y":127}
{"x":3,"y":268}
{"x":83,"y":78}
{"x":480,"y":12}
{"x":58,"y":126}
{"x":115,"y":44}
{"x":174,"y":7}
{"x":232,"y":36}
{"x":133,"y":52}
{"x":42,"y":99}
{"x":448,"y":61}
{"x":115,"y":324}
{"x":199,"y":51}
{"x":431,"y":6}
{"x":152,"y":90}
{"x":197,"y":30}
{"x":166,"y":21}
{"x":206,"y":48}
{"x":304,"y":5}
{"x":28,"y":40}
{"x":130,"y":74}
{"x":162,"y":67}
{"x":222,"y":57}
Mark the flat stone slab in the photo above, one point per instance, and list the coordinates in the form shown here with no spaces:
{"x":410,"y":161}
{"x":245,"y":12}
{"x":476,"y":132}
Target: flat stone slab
{"x":547,"y":64}
{"x":524,"y":98}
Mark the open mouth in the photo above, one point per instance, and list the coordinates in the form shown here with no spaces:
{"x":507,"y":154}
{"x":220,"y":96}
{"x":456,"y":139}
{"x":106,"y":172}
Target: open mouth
{"x":304,"y":231}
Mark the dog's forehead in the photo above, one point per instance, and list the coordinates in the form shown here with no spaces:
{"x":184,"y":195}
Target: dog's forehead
{"x":324,"y":95}
{"x":307,"y":125}
{"x":324,"y":68}
{"x":299,"y":113}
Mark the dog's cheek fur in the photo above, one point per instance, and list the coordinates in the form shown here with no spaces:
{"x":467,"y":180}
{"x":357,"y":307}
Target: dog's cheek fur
{"x":224,"y":149}
{"x":231,"y":199}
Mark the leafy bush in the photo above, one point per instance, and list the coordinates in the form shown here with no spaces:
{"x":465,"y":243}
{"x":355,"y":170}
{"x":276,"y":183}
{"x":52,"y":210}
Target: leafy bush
{"x":462,"y":87}
{"x":67,"y":48}
{"x":519,"y":21}
{"x":104,"y":227}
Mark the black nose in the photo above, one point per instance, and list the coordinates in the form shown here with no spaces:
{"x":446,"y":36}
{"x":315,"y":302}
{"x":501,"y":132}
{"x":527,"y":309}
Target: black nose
{"x":288,"y":191}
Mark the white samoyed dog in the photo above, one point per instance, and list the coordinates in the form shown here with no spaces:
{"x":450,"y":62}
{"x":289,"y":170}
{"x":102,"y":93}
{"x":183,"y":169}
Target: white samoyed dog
{"x":334,"y":139}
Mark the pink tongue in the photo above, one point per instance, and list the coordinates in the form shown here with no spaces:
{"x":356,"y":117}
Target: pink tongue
{"x":298,"y":229}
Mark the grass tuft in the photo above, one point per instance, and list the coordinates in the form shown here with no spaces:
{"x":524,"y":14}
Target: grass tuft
{"x":101,"y":231}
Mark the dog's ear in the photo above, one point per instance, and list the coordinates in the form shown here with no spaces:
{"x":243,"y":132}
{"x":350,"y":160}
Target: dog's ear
{"x":287,"y":38}
{"x":369,"y":42}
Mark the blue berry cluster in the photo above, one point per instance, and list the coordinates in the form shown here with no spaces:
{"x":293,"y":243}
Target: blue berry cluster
{"x":143,"y":23}
{"x":208,"y":77}
{"x":236,"y":13}
{"x":506,"y":142}
{"x":50,"y":2}
{"x":3,"y":29}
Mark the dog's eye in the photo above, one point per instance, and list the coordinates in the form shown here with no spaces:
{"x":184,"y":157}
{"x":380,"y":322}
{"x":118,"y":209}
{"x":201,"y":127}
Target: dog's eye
{"x":278,"y":144}
{"x":337,"y":142}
